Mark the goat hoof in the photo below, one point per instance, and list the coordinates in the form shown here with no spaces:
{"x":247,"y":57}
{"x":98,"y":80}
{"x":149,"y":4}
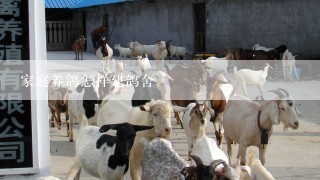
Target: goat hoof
{"x":52,"y":125}
{"x":59,"y":127}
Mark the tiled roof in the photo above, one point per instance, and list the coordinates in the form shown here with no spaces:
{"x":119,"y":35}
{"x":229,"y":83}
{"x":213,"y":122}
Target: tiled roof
{"x":88,"y":3}
{"x":61,"y":3}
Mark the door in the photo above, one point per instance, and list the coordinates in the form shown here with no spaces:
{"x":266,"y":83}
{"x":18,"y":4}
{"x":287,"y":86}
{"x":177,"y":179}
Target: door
{"x":200,"y":26}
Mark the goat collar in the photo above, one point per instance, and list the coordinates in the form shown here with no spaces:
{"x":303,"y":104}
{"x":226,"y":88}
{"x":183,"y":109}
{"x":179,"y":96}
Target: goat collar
{"x":259,"y":124}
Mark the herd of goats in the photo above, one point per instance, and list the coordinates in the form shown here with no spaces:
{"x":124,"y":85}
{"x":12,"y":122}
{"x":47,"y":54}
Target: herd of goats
{"x":144,"y":127}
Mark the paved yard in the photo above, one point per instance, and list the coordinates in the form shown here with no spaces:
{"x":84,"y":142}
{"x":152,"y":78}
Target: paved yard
{"x":290,"y":155}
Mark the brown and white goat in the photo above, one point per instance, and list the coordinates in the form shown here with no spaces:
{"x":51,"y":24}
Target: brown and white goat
{"x":58,"y":103}
{"x":187,"y":81}
{"x":218,"y":92}
{"x":78,"y":47}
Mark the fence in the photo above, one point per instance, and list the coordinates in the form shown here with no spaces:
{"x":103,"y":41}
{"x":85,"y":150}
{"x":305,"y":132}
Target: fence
{"x":61,"y":34}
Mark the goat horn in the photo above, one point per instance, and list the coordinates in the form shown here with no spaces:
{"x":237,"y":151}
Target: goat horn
{"x":284,"y":91}
{"x":197,"y":160}
{"x":215,"y":163}
{"x":278,"y":93}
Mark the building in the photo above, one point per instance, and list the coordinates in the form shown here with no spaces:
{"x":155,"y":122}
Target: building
{"x":63,"y":25}
{"x":208,"y":25}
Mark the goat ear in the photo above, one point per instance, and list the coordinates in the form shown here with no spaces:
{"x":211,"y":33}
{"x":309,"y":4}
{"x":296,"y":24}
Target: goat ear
{"x":193,"y":110}
{"x":275,"y":116}
{"x":107,"y":127}
{"x":141,"y":128}
{"x":145,"y":108}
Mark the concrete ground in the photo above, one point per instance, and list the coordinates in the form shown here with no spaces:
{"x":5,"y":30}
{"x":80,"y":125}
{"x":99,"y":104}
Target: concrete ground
{"x":294,"y":154}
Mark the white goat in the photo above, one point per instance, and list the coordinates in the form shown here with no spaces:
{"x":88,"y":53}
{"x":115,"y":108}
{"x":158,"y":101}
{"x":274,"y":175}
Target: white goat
{"x":101,"y":155}
{"x":148,"y":49}
{"x":156,"y":113}
{"x":246,"y":122}
{"x":124,"y":52}
{"x":288,"y":64}
{"x":258,"y":47}
{"x":218,"y":64}
{"x":160,"y":53}
{"x":207,"y":149}
{"x":144,"y":64}
{"x":159,"y":77}
{"x":193,"y":120}
{"x":136,"y":49}
{"x":178,"y":51}
{"x":247,"y":77}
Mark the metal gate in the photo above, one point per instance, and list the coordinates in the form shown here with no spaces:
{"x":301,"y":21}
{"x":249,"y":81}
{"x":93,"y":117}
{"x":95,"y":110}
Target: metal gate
{"x":60,"y":35}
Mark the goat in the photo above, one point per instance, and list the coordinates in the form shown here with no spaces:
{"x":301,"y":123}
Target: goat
{"x":101,"y":155}
{"x":144,"y":64}
{"x":157,"y":113}
{"x":136,"y":49}
{"x":187,"y":81}
{"x":96,"y":35}
{"x":160,"y":53}
{"x":123,"y":52}
{"x":218,"y":93}
{"x":85,"y":102}
{"x":78,"y":47}
{"x":194,"y":119}
{"x":58,"y":103}
{"x":288,"y":64}
{"x":250,"y":123}
{"x":104,"y":53}
{"x":159,"y":77}
{"x":279,"y":50}
{"x":179,"y":52}
{"x":247,"y":77}
{"x":218,"y":64}
{"x":148,"y":49}
{"x":257,"y":47}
